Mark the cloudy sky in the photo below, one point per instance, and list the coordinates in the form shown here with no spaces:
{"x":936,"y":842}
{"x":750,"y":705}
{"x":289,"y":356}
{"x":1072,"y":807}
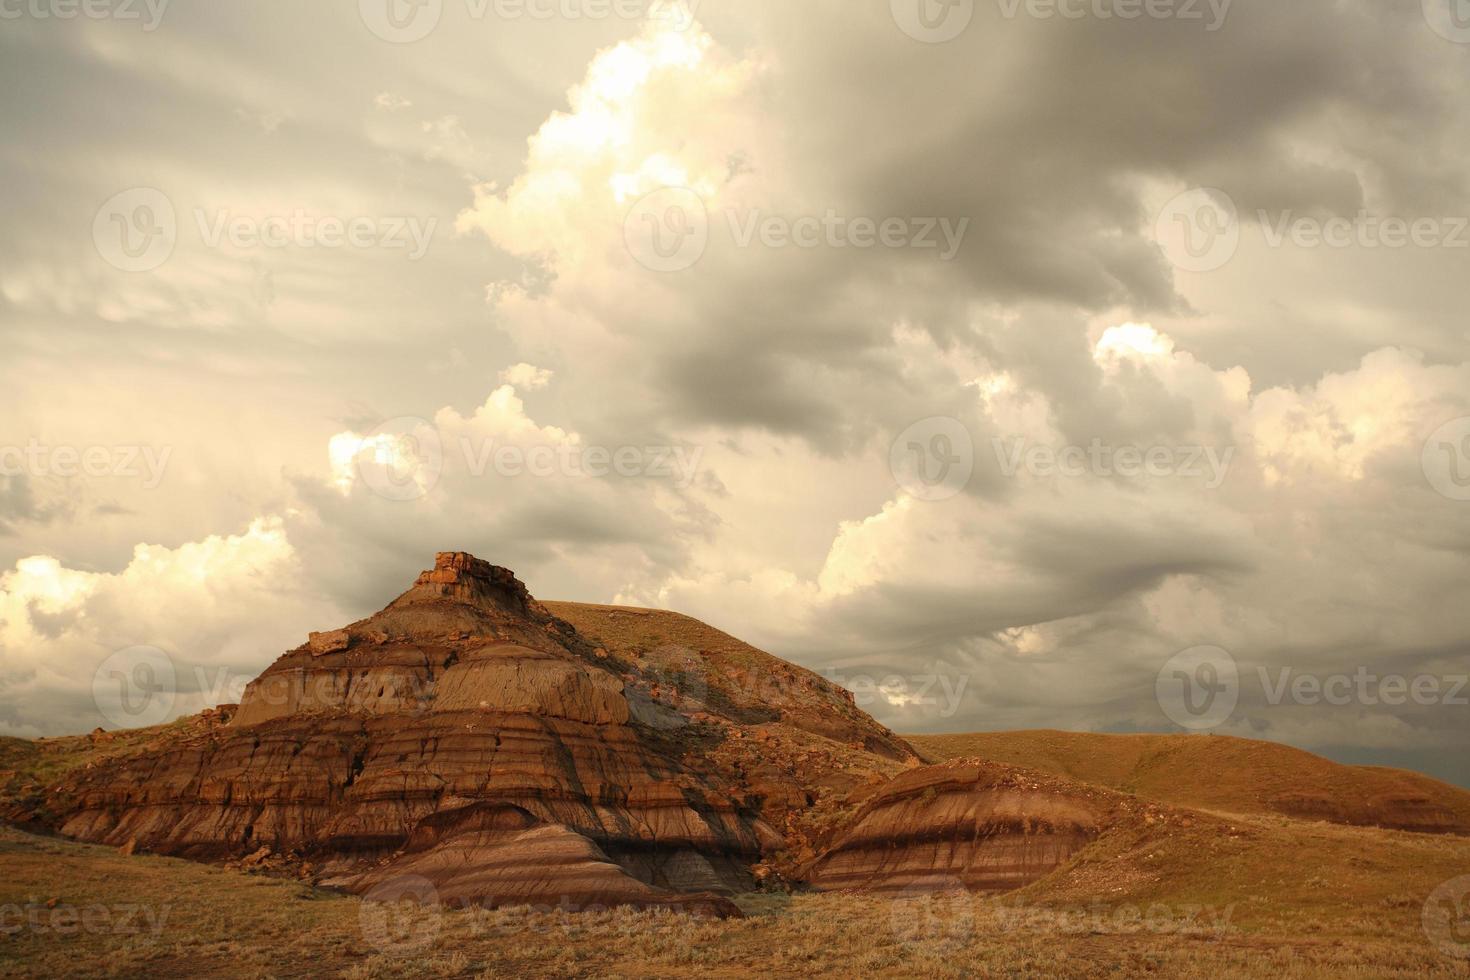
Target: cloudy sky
{"x":1095,"y":365}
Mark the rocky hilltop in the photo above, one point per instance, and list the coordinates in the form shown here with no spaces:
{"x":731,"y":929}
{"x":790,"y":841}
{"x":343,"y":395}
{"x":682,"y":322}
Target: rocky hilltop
{"x":467,"y":736}
{"x":471,"y":745}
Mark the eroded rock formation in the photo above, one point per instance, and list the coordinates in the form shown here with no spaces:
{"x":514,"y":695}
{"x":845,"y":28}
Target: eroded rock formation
{"x":966,"y":824}
{"x":463,"y":734}
{"x":467,"y":736}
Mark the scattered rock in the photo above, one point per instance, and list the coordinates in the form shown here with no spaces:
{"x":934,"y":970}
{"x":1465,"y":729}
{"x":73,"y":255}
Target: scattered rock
{"x":322,"y":644}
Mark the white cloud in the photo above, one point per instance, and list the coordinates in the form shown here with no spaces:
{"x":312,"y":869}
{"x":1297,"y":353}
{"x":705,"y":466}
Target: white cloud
{"x":222,"y":608}
{"x":526,"y":377}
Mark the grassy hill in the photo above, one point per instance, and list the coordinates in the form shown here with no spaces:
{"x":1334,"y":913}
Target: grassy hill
{"x":1231,"y":775}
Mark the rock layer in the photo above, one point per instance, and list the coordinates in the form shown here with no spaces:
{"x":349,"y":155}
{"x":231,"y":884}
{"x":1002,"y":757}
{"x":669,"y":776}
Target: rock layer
{"x":964,"y":824}
{"x":463,"y":734}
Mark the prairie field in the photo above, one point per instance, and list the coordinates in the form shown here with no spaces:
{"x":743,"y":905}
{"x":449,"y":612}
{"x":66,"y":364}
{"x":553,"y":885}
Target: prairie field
{"x":1282,"y":899}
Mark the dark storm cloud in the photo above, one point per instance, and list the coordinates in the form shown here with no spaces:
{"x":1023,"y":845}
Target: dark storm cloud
{"x":794,"y":369}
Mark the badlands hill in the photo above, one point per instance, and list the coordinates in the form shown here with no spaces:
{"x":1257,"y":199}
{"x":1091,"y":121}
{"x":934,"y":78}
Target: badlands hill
{"x":1215,"y":772}
{"x":471,"y":746}
{"x":467,"y":737}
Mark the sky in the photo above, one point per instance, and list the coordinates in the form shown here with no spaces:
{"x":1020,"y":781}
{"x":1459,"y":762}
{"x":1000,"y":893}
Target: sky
{"x":1098,"y":365}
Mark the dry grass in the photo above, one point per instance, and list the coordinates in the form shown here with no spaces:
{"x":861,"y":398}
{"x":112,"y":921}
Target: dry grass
{"x":1278,"y":899}
{"x":1213,"y":772}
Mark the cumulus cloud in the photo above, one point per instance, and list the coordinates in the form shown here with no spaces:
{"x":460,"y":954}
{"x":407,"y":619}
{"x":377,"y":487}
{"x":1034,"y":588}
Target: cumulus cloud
{"x":526,"y":376}
{"x":198,"y":605}
{"x":1287,"y":396}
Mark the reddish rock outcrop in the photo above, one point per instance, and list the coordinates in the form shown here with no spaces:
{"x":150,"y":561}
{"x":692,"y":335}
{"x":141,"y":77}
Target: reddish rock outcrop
{"x":464,"y":735}
{"x":788,"y":741}
{"x":967,"y":824}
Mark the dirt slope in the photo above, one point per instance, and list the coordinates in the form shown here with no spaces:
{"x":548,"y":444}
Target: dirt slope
{"x":1226,"y":774}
